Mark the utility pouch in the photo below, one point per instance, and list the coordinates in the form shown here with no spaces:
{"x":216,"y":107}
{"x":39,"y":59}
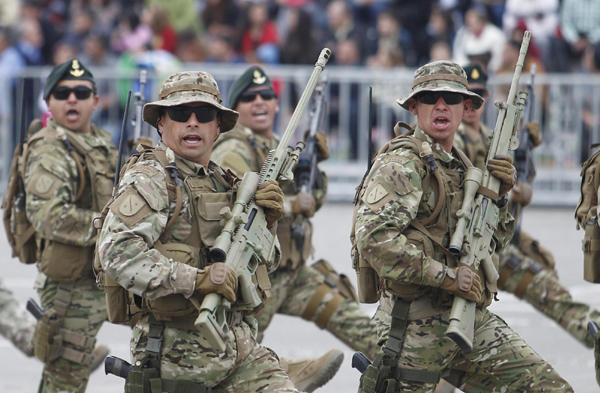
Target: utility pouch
{"x":591,"y":251}
{"x":117,"y":301}
{"x":48,"y":341}
{"x":366,"y":277}
{"x":146,"y":380}
{"x":63,"y":263}
{"x":379,"y":379}
{"x":26,"y":248}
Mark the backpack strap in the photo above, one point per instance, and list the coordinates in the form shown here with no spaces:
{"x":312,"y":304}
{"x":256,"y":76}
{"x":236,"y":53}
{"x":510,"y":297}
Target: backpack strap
{"x":174,"y":179}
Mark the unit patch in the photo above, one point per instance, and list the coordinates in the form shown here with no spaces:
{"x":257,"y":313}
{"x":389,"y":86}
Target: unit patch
{"x":131,"y":204}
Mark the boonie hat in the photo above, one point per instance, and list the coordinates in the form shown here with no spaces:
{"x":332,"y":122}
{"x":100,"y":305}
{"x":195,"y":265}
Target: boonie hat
{"x":69,"y":70}
{"x":440,"y":75}
{"x":187,"y":87}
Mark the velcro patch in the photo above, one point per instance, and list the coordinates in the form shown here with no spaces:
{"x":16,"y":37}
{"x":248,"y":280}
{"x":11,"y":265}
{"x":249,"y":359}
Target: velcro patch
{"x":146,"y":169}
{"x":130,"y":207}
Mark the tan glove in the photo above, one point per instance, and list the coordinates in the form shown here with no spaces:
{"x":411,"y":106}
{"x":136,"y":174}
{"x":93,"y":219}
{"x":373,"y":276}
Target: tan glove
{"x":322,"y":146}
{"x":521,"y":194}
{"x":270,"y":197}
{"x":217,"y":278}
{"x":304,"y":203}
{"x":501,"y":168}
{"x":534,"y":132}
{"x":463,"y":282}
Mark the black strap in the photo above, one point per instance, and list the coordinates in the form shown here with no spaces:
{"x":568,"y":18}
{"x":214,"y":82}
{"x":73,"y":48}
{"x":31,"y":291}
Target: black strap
{"x":393,"y":346}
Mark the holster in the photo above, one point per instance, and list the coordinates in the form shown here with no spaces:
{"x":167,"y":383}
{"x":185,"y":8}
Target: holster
{"x":48,"y":340}
{"x":591,"y":251}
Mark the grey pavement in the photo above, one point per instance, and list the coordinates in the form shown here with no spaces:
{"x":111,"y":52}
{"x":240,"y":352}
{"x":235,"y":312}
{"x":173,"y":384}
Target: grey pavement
{"x":295,"y":338}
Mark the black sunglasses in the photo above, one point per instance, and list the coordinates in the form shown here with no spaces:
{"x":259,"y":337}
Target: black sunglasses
{"x":81,"y":92}
{"x":479,"y":92}
{"x":181,"y":114}
{"x":250,"y":96}
{"x":432,"y":97}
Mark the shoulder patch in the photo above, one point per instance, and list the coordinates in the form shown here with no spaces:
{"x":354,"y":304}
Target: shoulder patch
{"x":377,"y":195}
{"x":43,"y":183}
{"x":146,"y":169}
{"x":131,"y":204}
{"x":130,"y":207}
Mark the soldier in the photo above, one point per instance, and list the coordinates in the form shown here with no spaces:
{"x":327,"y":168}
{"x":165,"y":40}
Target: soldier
{"x":528,"y":271}
{"x":315,"y":293}
{"x":398,"y":235}
{"x":68,"y":171}
{"x":155,"y":243}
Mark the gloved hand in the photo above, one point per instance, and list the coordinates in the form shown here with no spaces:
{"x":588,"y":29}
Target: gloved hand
{"x":304,"y":203}
{"x":270,"y":197}
{"x":322,"y":146}
{"x":501,"y":168}
{"x":463,"y":282}
{"x":534,"y":132}
{"x":217,"y":278}
{"x":521,"y":194}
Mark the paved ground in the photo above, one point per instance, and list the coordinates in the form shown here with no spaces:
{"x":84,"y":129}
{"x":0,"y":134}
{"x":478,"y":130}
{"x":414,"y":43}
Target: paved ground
{"x":295,"y":338}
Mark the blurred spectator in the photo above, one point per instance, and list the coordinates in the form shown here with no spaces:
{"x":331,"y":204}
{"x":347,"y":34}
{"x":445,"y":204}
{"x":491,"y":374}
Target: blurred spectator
{"x":131,"y":34}
{"x":82,"y":23}
{"x":539,"y":16}
{"x":580,"y":25}
{"x":9,"y":12}
{"x":390,"y":39}
{"x":32,"y":9}
{"x":441,"y":26}
{"x":495,"y":10}
{"x":190,"y":48}
{"x":220,"y":17}
{"x":386,"y":58}
{"x":106,"y":14}
{"x":258,"y":30}
{"x":414,"y":17}
{"x":221,"y":50}
{"x":11,"y":63}
{"x":64,"y":51}
{"x":183,"y":14}
{"x":300,"y":44}
{"x":30,"y":43}
{"x":479,"y":37}
{"x":341,"y":26}
{"x":96,"y":53}
{"x":163,"y":35}
{"x":348,"y":53}
{"x":440,"y":50}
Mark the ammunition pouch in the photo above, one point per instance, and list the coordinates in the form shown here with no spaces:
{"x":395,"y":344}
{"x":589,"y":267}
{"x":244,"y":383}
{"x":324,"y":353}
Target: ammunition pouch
{"x":511,"y":265}
{"x":591,"y":251}
{"x":64,"y":263}
{"x":338,"y":283}
{"x":383,"y":375}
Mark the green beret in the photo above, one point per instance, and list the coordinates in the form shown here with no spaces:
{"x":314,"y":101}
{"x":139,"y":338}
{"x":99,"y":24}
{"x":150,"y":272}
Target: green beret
{"x":69,"y":70}
{"x":476,"y":74}
{"x":252,"y":77}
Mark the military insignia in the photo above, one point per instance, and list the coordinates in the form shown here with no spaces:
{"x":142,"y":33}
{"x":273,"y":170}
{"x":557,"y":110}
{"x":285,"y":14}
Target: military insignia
{"x":76,"y":72}
{"x":258,"y":78}
{"x":376,"y":194}
{"x":131,"y":205}
{"x":475,"y":74}
{"x":43,"y":184}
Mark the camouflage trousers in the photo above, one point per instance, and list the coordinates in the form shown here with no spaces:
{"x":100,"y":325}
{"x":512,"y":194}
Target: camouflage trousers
{"x":545,"y":292}
{"x":501,"y":360}
{"x":597,"y":358}
{"x":85,"y":315}
{"x":293,"y":289}
{"x":244,"y":367}
{"x":16,"y":324}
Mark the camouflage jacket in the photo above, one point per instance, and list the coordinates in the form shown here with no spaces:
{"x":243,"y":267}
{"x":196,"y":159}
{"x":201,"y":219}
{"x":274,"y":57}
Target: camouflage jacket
{"x":126,"y":241}
{"x":52,"y":180}
{"x":395,"y":197}
{"x":473,"y":143}
{"x":241,"y":150}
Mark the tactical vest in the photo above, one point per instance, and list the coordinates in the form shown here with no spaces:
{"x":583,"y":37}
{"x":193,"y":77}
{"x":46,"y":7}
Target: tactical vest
{"x":96,"y":172}
{"x":206,"y":199}
{"x":429,"y":233}
{"x":293,"y":255}
{"x":586,"y":215}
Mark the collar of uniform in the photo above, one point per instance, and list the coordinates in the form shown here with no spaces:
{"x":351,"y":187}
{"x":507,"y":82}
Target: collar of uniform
{"x":198,"y":169}
{"x":438,"y":151}
{"x":268,"y":144}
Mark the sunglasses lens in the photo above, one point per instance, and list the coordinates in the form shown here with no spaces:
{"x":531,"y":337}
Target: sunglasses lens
{"x":431,"y":98}
{"x":250,"y":96}
{"x":453,"y":98}
{"x":181,"y":114}
{"x":267,"y":95}
{"x":81,"y":92}
{"x":61,"y":93}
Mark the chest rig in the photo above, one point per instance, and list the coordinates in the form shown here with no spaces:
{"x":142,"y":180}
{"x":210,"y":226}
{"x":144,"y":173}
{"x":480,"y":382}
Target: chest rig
{"x":95,"y":163}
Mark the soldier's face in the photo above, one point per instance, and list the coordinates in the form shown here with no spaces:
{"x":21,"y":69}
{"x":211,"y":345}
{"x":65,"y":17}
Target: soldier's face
{"x":73,"y":113}
{"x":474,"y":116}
{"x":191,"y":139}
{"x":258,"y":114}
{"x":440,"y":120}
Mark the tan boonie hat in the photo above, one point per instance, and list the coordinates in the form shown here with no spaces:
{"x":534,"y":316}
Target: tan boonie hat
{"x":187,"y":87}
{"x":440,"y":75}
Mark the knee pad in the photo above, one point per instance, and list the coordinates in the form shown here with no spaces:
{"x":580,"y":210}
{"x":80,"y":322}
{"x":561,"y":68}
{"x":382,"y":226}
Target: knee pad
{"x":511,"y":265}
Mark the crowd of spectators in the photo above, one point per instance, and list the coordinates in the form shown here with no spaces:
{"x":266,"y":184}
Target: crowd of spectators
{"x":372,"y":33}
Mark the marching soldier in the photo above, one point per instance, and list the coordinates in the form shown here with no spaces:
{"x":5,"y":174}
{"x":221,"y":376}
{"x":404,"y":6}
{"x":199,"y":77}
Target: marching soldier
{"x":68,"y":173}
{"x":155,"y":242}
{"x":403,"y":237}
{"x":316,"y":293}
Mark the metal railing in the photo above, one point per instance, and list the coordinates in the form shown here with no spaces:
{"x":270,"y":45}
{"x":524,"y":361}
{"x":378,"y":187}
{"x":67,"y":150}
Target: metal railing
{"x":567,"y":108}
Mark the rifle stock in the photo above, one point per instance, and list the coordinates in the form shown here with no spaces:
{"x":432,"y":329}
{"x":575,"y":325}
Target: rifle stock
{"x":479,"y":216}
{"x":245,"y":242}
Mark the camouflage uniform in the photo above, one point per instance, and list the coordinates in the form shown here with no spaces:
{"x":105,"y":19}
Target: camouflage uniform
{"x":16,"y":324}
{"x":63,"y":225}
{"x":412,"y":265}
{"x":531,"y":263}
{"x":294,"y":284}
{"x":128,"y":253}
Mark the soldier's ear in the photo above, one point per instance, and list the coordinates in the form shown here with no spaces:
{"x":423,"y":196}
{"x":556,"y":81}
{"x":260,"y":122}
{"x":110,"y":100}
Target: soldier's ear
{"x":218,"y":128}
{"x":468,"y":106}
{"x":412,"y":106}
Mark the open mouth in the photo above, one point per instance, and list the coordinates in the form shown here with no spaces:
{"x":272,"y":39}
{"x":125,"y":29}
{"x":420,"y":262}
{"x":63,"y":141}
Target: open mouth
{"x":259,"y":114}
{"x":72,"y":114}
{"x":441,"y":122}
{"x":192,"y":139}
